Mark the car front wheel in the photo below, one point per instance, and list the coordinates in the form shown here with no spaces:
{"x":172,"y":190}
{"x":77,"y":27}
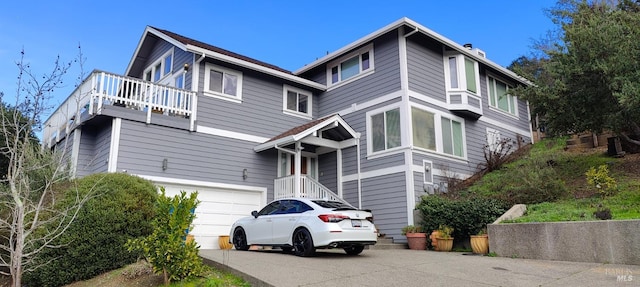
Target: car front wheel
{"x":303,"y":243}
{"x":240,"y":239}
{"x":354,"y":250}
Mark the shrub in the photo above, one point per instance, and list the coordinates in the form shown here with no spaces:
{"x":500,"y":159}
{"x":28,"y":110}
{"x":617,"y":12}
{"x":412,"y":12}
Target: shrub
{"x":94,"y":243}
{"x":411,"y":229}
{"x":466,"y":216}
{"x":529,"y":181}
{"x":601,"y":181}
{"x":166,"y":248}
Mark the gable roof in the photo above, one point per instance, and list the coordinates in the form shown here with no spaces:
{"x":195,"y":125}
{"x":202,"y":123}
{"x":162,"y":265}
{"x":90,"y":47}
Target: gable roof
{"x":210,"y":51}
{"x":340,"y":131}
{"x":416,"y":28}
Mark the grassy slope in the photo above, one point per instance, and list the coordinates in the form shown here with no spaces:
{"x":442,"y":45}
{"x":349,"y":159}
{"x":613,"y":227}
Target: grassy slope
{"x":581,"y":200}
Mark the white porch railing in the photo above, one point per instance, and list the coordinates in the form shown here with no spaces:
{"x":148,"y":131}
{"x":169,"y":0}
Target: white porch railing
{"x":285,"y":187}
{"x":102,"y":88}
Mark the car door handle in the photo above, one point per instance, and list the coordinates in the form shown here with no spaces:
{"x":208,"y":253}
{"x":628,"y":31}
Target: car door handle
{"x":292,"y":219}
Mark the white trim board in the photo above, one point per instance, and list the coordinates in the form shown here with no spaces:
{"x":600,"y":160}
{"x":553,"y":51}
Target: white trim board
{"x":230,"y":134}
{"x":202,"y":183}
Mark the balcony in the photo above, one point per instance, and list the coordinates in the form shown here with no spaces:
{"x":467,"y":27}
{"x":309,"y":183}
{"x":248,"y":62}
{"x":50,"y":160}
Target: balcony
{"x":464,"y":104}
{"x":101,"y":90}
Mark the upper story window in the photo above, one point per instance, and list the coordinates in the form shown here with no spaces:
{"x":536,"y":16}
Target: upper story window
{"x":222,"y":83}
{"x":500,"y":98}
{"x":297,"y":101}
{"x":384,"y":130}
{"x":437,"y":132}
{"x":351,"y":66}
{"x":160,"y":68}
{"x":462,"y":74}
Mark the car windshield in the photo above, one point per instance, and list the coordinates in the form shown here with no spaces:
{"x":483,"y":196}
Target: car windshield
{"x":334,"y":205}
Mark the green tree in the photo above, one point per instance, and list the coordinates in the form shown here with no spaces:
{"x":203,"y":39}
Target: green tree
{"x":167,"y":248}
{"x":589,"y":78}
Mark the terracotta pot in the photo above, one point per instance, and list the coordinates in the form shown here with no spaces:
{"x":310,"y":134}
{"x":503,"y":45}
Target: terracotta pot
{"x":480,"y":244}
{"x":223,"y":242}
{"x":417,"y":241}
{"x":189,"y":238}
{"x":445,"y":244}
{"x":434,"y":239}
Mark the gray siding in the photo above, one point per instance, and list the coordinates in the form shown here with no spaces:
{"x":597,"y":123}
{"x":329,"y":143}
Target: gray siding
{"x":426,"y":68}
{"x":386,"y":197}
{"x":93,"y":153}
{"x":327,"y":169}
{"x":193,"y":156}
{"x":260,"y":112}
{"x":385,"y":79}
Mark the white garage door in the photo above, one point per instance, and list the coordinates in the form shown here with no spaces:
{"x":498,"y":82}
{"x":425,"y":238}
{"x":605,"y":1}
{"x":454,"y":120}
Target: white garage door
{"x":219,"y":208}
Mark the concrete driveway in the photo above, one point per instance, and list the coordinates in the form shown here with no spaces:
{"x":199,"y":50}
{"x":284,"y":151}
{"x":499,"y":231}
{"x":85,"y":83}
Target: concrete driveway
{"x":405,"y":267}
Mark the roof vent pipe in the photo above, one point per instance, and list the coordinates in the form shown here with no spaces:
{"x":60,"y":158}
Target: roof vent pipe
{"x":468,"y":46}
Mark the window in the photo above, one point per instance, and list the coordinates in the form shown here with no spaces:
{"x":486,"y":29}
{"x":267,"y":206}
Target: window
{"x":500,"y":98}
{"x":385,"y":130}
{"x":297,"y":101}
{"x":462,"y":74}
{"x":351,"y":66}
{"x":223,"y":83}
{"x":452,"y":137}
{"x":437,"y":132}
{"x":160,"y":68}
{"x":424,"y":132}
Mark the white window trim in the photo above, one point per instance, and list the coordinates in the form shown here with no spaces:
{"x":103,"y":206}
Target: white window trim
{"x":368,"y":115}
{"x":151,"y":68}
{"x":495,"y":108}
{"x":493,"y":134}
{"x":236,"y":99}
{"x":462,"y":78}
{"x":337,"y":62}
{"x":308,"y":114}
{"x":437,"y":122}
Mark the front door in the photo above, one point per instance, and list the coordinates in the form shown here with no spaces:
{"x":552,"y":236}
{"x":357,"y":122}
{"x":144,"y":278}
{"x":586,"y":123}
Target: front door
{"x":308,"y":167}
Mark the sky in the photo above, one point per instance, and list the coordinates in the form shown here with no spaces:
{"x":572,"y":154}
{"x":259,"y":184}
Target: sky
{"x":287,"y":33}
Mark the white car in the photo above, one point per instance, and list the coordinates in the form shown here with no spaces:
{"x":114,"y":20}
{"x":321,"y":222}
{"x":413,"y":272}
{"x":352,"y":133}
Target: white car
{"x":303,"y":225}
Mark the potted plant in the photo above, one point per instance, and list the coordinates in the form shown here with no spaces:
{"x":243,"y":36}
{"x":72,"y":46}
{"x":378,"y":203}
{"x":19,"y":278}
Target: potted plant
{"x":445,"y":241}
{"x":480,"y":242}
{"x":416,"y":239}
{"x":434,"y":239}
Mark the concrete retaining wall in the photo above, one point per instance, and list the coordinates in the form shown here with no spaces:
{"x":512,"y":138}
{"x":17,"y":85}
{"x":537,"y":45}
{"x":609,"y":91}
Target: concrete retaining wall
{"x":607,"y":241}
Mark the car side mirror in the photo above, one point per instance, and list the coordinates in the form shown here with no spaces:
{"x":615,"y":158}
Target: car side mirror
{"x":255,"y":213}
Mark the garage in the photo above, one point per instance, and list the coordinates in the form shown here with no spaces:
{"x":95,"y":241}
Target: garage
{"x":219,"y":208}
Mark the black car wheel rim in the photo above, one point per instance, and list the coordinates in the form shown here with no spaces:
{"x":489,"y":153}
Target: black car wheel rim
{"x":302,"y":242}
{"x":239,"y":239}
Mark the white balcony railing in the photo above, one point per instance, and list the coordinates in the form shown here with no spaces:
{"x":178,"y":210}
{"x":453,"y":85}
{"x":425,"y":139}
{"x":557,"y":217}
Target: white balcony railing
{"x":102,"y":88}
{"x":309,"y":188}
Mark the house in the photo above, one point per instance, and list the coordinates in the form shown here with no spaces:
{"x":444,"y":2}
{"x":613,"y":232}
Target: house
{"x":378,"y":123}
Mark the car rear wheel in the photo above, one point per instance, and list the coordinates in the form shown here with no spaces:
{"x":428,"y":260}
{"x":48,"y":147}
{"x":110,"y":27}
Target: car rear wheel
{"x":240,"y":239}
{"x":354,"y":250}
{"x":303,"y":243}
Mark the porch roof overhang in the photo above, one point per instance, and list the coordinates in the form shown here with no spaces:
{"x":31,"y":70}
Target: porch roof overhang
{"x":330,"y":132}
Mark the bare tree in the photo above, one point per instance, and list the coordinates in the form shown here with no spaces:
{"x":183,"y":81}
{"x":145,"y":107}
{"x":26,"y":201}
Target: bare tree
{"x":30,"y":219}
